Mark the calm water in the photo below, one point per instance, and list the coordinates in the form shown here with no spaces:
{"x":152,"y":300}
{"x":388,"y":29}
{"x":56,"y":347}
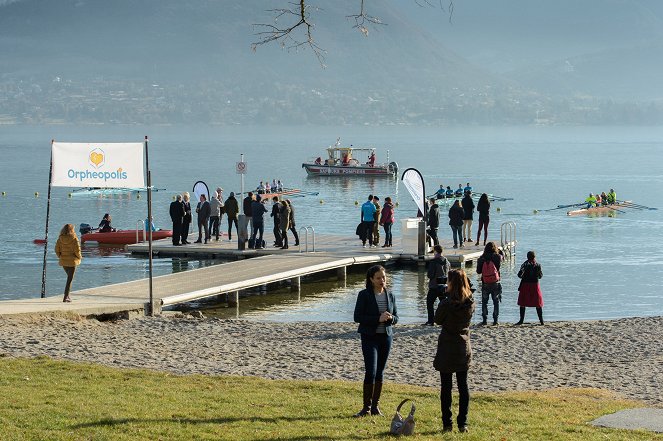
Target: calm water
{"x":602,"y":267}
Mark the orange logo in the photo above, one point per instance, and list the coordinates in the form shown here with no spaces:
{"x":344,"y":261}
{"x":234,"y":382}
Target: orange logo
{"x":97,"y":158}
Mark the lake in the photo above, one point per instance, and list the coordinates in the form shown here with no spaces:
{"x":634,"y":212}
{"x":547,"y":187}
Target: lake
{"x":594,"y":267}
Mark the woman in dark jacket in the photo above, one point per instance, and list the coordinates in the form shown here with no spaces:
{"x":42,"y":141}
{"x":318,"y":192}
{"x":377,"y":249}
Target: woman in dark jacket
{"x":529,"y":292}
{"x":454,"y":351}
{"x":387,"y":220}
{"x":456,"y":214}
{"x":468,"y":216}
{"x":483,"y":207}
{"x":376,"y":313}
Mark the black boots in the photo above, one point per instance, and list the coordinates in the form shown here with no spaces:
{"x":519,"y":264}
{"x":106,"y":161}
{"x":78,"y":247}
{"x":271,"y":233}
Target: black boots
{"x":377,"y":391}
{"x":368,"y":394}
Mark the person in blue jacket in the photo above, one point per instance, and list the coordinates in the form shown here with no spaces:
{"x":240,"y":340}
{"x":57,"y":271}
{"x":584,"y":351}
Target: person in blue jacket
{"x":376,"y":313}
{"x":368,"y":211}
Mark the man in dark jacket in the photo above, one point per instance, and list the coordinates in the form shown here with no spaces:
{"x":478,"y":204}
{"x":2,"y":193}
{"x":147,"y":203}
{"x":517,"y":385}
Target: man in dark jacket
{"x":433,"y":221}
{"x":232,"y":209}
{"x":177,"y":216}
{"x":438,"y":268}
{"x":204,"y":210}
{"x":246,"y":208}
{"x":276,"y":210}
{"x":468,"y":210}
{"x":257,"y":211}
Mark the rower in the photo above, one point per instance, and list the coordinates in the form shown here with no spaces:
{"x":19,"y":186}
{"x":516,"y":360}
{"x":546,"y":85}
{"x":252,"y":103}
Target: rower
{"x":598,"y":199}
{"x":468,"y":189}
{"x":604,"y":198}
{"x":591,"y":201}
{"x":459,"y":190}
{"x":449,"y":193}
{"x":441,"y":192}
{"x":612,"y":197}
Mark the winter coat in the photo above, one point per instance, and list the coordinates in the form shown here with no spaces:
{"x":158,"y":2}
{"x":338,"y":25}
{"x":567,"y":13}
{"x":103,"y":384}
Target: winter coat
{"x":367,"y":313}
{"x":68,"y":251}
{"x":438,"y":268}
{"x":177,"y":212}
{"x":276,"y":213}
{"x":231,"y":207}
{"x":456,"y":214}
{"x":246,"y":206}
{"x":284,"y":216}
{"x":187,"y":211}
{"x":495,"y":257}
{"x":468,"y":208}
{"x":387,"y":215}
{"x":454,"y":351}
{"x":434,"y":216}
{"x":257,"y":211}
{"x":530,"y":272}
{"x":291,"y":216}
{"x":215,"y":206}
{"x":484,"y":210}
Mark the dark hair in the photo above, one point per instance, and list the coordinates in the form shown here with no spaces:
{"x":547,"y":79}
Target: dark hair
{"x":387,"y":199}
{"x":484,"y":199}
{"x":275,"y":198}
{"x":370,"y":197}
{"x":531,"y":255}
{"x":490,"y":248}
{"x":370,"y":273}
{"x":458,"y":286}
{"x":250,"y":194}
{"x":438,"y":249}
{"x":376,"y":198}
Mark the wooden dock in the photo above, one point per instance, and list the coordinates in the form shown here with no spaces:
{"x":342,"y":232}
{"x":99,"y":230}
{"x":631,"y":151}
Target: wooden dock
{"x":250,"y":269}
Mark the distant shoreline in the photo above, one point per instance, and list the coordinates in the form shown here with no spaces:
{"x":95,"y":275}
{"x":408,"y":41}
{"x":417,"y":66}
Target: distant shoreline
{"x":621,"y":355}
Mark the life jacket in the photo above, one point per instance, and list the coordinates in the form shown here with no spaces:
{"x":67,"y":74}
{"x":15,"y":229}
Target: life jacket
{"x":489,"y":273}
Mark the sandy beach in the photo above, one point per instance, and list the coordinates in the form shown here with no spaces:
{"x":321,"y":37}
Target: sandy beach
{"x":624,"y":356}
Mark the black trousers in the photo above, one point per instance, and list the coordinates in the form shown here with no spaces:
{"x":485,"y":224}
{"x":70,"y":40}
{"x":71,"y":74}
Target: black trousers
{"x":278,"y":237}
{"x":463,"y":399}
{"x":177,"y":232}
{"x":185,"y":231}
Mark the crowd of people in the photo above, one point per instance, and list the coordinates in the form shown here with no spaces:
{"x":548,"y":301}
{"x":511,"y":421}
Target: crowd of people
{"x":372,"y":217}
{"x":601,"y":200}
{"x":377,"y":314}
{"x":461,"y":217}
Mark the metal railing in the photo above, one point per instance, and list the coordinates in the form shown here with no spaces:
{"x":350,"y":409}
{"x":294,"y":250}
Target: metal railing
{"x":306,"y":230}
{"x":508,"y":238}
{"x":140,"y":225}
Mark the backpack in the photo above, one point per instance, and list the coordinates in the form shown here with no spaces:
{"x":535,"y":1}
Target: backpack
{"x":489,"y":273}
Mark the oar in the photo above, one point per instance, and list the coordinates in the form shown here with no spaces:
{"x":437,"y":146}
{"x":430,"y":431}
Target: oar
{"x":564,"y":206}
{"x":632,"y":205}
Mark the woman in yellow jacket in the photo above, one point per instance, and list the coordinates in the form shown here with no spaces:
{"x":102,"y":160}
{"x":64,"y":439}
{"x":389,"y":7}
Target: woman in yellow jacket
{"x":68,"y":251}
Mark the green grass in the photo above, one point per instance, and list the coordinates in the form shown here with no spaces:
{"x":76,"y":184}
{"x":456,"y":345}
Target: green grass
{"x":43,"y":399}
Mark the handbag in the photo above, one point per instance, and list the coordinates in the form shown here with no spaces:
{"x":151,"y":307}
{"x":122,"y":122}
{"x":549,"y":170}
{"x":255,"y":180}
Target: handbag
{"x":400,"y":425}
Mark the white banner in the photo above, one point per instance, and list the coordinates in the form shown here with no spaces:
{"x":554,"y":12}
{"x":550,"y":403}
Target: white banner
{"x":415,"y":186}
{"x":105,"y":165}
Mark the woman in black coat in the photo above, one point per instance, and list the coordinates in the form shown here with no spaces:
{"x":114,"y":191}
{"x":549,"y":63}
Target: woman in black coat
{"x":483,"y":207}
{"x":454,"y":351}
{"x":376,"y":313}
{"x":456,"y":215}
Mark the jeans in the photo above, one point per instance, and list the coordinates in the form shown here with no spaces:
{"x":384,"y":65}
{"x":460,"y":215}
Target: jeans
{"x":433,"y":294}
{"x":463,"y":398}
{"x":214,"y":226}
{"x":387,"y":234}
{"x":375,"y":349}
{"x":230,"y":227}
{"x":493,"y":290}
{"x":258,"y":227}
{"x":457,"y":233}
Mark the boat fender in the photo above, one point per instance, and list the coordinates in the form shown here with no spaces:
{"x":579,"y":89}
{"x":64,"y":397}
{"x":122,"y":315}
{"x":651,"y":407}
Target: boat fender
{"x":393,"y":167}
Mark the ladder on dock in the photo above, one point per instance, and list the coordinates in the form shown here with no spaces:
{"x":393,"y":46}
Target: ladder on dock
{"x":508,"y":238}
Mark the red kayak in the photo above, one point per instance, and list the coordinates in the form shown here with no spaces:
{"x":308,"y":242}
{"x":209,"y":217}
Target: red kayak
{"x":123,"y":237}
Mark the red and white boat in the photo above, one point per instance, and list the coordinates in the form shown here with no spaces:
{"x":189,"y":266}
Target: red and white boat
{"x":124,"y":237}
{"x":342,"y":161}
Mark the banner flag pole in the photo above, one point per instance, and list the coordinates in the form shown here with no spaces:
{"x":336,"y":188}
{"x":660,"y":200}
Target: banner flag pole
{"x":414,"y":183}
{"x":48,"y":213}
{"x":149,"y":224}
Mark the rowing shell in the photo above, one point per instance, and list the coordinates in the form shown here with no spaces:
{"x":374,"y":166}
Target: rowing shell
{"x":604,"y":209}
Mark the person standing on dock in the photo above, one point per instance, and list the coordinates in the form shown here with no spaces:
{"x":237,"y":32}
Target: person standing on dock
{"x":186,"y":222}
{"x":246,"y":208}
{"x":177,"y":216}
{"x":215,"y":216}
{"x":367,"y":218}
{"x":387,"y":221}
{"x":454,"y":350}
{"x":468,"y":210}
{"x":291,"y":221}
{"x":203,"y":209}
{"x":433,"y":221}
{"x":483,"y":207}
{"x":284,"y":215}
{"x":232,"y":209}
{"x":68,"y":250}
{"x":376,"y":313}
{"x":258,"y":210}
{"x":376,"y":216}
{"x":456,"y":214}
{"x":437,"y":272}
{"x":488,"y":266}
{"x":275,"y":214}
{"x":529,"y":291}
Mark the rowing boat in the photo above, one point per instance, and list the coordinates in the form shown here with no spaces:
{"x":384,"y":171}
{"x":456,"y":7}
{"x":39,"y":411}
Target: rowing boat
{"x":123,"y":237}
{"x":108,"y":192}
{"x":603,"y":209}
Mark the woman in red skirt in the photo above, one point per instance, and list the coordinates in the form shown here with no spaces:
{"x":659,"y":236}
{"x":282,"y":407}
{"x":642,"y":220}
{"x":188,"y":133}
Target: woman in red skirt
{"x":529,"y":292}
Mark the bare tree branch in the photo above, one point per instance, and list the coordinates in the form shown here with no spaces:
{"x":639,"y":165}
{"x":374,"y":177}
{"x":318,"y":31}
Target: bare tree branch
{"x":299,"y":12}
{"x":362,"y":20}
